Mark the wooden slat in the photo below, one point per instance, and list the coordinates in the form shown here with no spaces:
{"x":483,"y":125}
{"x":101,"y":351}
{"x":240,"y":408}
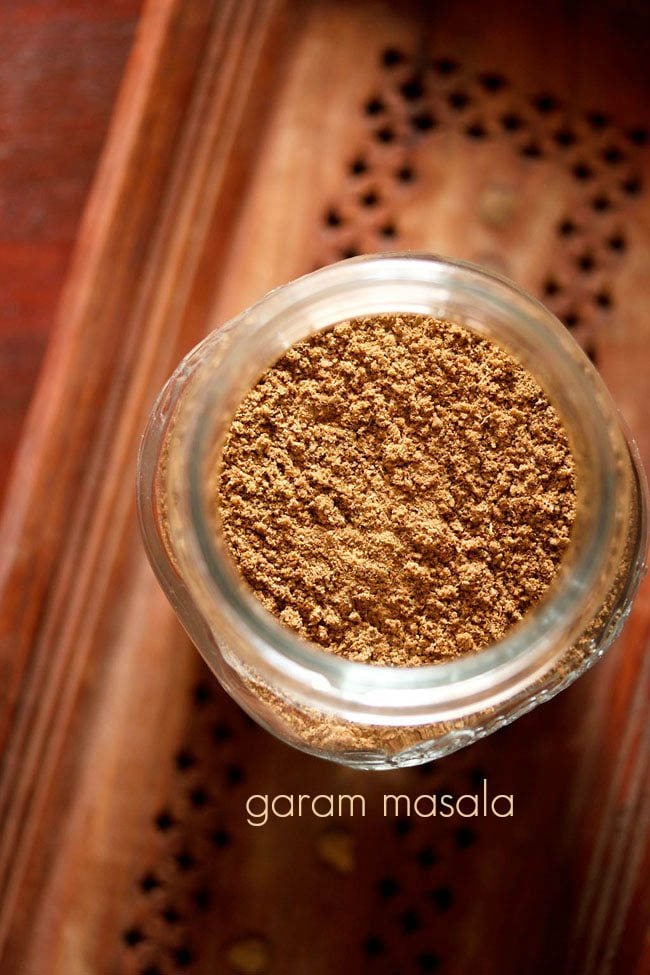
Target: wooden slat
{"x":52,"y":136}
{"x":177,"y":122}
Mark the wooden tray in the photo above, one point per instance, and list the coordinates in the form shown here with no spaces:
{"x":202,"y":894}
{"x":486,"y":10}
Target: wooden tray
{"x":251,"y":142}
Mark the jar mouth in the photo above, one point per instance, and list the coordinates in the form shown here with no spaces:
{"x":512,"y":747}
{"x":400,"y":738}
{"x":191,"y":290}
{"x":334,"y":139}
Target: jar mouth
{"x":431,"y":285}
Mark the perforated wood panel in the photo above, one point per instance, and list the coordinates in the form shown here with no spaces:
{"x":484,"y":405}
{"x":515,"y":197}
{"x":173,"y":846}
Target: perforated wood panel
{"x":425,"y":113}
{"x":188,"y":908}
{"x":253,"y":142}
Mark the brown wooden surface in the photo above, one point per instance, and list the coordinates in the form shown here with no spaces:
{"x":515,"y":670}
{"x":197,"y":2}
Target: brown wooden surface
{"x":124,"y":845}
{"x":60,"y":65}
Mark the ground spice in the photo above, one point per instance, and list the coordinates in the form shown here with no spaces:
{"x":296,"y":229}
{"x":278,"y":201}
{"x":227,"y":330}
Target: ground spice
{"x":397,"y":489}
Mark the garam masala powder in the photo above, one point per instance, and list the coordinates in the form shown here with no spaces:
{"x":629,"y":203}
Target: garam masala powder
{"x":397,"y":489}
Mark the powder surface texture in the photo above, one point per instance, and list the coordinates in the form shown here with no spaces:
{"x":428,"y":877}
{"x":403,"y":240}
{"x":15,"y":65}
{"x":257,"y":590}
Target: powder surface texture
{"x":397,"y":490}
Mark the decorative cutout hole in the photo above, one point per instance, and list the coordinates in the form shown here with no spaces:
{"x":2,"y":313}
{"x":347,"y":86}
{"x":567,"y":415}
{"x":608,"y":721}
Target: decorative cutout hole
{"x":638,"y":137}
{"x":333,"y":218}
{"x":564,"y":138}
{"x":405,"y":174}
{"x":388,"y":230}
{"x":199,"y":798}
{"x":185,"y":861}
{"x":603,"y":299}
{"x":631,"y":186}
{"x":235,"y":773}
{"x":388,"y":888}
{"x":373,"y":946}
{"x":566,"y":228}
{"x":221,"y":732}
{"x":170,"y":916}
{"x":426,"y":857}
{"x":374,"y":106}
{"x":369,"y":199}
{"x":597,"y":120}
{"x":428,"y":962}
{"x":512,"y":122}
{"x":149,"y":882}
{"x":458,"y":100}
{"x":201,"y":695}
{"x":423,"y":121}
{"x":442,"y":898}
{"x":531,"y":150}
{"x":391,"y":56}
{"x":184,"y":760}
{"x":601,"y":203}
{"x":476,"y":131}
{"x":445,"y":66}
{"x":412,"y":89}
{"x":586,"y":263}
{"x":545,"y":103}
{"x":582,"y":172}
{"x":349,"y":252}
{"x":132,"y":937}
{"x":410,"y":921}
{"x":358,"y":167}
{"x":617,"y":242}
{"x":465,"y":837}
{"x":478,"y":776}
{"x":202,"y":898}
{"x":385,"y":134}
{"x":612,"y":155}
{"x":492,"y":82}
{"x":221,"y":838}
{"x":164,"y":821}
{"x":551,"y":288}
{"x":183,"y":956}
{"x":571,"y":319}
{"x":403,"y":826}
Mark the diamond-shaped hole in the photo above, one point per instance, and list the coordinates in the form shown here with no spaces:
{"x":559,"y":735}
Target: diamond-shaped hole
{"x":492,"y":82}
{"x":631,"y":186}
{"x":445,"y":66}
{"x":458,"y":100}
{"x":358,"y":166}
{"x":582,"y":172}
{"x":617,"y":243}
{"x":369,"y":199}
{"x":423,"y":121}
{"x":132,"y":937}
{"x":545,"y":103}
{"x":566,"y":228}
{"x":391,"y":56}
{"x":374,"y":106}
{"x":564,"y":138}
{"x":385,"y":134}
{"x":374,"y":946}
{"x":512,"y":122}
{"x":405,"y":174}
{"x":412,"y":89}
{"x":476,"y":131}
{"x":388,"y":887}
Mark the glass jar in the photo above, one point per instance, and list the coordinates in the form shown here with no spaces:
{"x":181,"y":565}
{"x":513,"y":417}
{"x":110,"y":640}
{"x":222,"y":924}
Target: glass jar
{"x":358,"y":714}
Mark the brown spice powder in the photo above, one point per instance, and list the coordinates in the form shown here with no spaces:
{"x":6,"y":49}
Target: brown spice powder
{"x":397,"y":490}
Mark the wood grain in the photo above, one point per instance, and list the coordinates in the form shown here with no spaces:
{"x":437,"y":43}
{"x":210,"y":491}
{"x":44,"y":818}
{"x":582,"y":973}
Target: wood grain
{"x":60,"y":65}
{"x":233,"y":137}
{"x":168,"y":105}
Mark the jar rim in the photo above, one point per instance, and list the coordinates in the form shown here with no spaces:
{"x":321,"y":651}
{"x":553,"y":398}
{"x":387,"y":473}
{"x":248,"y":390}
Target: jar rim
{"x":525,"y":651}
